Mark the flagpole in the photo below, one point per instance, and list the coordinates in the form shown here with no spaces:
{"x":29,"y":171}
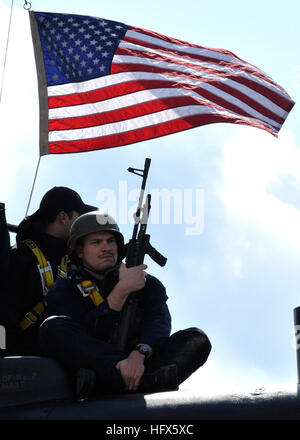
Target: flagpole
{"x":36,"y":171}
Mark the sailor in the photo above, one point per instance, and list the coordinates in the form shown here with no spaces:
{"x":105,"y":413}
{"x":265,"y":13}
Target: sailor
{"x":34,"y":264}
{"x":86,"y":308}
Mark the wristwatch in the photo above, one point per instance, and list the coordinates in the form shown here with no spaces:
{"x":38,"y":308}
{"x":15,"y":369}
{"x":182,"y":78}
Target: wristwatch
{"x":143,"y":349}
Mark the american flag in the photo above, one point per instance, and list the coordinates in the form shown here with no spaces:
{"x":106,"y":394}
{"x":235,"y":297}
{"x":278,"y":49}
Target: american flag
{"x":104,"y":84}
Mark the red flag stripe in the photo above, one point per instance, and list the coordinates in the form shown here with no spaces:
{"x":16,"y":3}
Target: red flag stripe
{"x":132,"y":136}
{"x":108,"y":92}
{"x":61,"y":116}
{"x":129,"y":112}
{"x":142,"y":122}
{"x":144,"y":62}
{"x":219,"y":57}
{"x":207,"y":91}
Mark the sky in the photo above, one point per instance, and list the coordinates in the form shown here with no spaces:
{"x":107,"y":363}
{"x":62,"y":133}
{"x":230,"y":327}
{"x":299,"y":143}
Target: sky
{"x":227,"y":210}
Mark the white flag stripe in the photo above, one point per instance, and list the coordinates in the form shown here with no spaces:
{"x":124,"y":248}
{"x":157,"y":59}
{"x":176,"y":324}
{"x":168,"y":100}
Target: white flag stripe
{"x":203,"y":64}
{"x":93,"y":84}
{"x":183,"y":59}
{"x":123,"y":77}
{"x":146,"y":96}
{"x":138,"y":123}
{"x":217,"y":54}
{"x":205,"y":52}
{"x":128,"y":59}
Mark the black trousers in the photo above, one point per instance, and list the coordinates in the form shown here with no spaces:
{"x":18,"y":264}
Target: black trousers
{"x":69,"y":343}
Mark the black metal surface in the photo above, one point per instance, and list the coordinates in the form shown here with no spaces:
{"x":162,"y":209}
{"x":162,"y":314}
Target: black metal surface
{"x":175,"y":406}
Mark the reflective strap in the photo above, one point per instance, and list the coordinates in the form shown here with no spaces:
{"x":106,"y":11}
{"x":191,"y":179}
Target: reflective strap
{"x":89,"y":289}
{"x":32,"y":316}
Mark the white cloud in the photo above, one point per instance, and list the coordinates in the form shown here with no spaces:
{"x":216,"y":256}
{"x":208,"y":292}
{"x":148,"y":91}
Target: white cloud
{"x":253,"y":160}
{"x":215,"y":378}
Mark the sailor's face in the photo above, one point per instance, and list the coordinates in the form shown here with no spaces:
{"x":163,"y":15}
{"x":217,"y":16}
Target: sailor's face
{"x":99,"y":251}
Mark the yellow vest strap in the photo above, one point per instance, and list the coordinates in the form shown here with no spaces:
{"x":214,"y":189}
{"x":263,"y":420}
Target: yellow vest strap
{"x":32,"y":316}
{"x":89,"y":289}
{"x":63,"y":268}
{"x":47,"y":280}
{"x":44,"y":266}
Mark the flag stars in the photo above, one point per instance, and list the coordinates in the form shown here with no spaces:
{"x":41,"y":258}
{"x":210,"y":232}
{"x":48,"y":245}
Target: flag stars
{"x":82,"y":47}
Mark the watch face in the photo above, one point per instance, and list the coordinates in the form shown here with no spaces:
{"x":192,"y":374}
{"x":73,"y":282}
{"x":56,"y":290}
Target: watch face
{"x":143,"y":349}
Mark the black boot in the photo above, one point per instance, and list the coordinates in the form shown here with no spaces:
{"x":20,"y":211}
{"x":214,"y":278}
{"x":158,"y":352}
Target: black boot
{"x":85,"y":383}
{"x":164,"y":379}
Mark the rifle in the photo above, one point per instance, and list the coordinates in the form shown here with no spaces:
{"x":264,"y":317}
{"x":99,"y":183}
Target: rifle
{"x":136,"y":249}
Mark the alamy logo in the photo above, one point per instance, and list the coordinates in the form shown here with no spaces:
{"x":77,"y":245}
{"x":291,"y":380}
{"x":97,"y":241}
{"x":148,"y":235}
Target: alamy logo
{"x":2,"y":338}
{"x":175,"y":206}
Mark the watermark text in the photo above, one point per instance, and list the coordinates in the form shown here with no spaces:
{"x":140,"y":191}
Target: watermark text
{"x":168,"y":206}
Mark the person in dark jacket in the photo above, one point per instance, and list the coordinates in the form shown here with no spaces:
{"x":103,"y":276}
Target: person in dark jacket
{"x":34,"y":264}
{"x":4,"y":244}
{"x":87,"y":307}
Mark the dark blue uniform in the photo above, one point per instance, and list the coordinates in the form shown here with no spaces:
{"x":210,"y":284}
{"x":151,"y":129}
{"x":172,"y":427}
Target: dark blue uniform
{"x":80,"y":334}
{"x":154,"y":327}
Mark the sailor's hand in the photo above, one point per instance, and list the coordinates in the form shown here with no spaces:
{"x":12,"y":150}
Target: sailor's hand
{"x":132,"y":370}
{"x":132,"y":279}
